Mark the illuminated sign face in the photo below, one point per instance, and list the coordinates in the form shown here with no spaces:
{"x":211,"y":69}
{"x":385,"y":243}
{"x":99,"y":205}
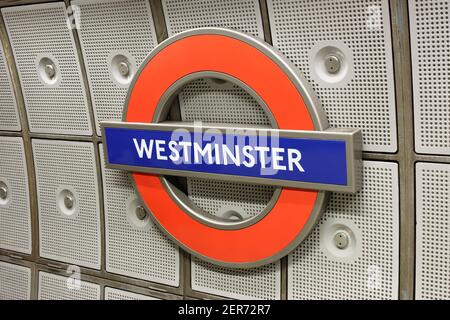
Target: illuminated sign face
{"x":299,"y":154}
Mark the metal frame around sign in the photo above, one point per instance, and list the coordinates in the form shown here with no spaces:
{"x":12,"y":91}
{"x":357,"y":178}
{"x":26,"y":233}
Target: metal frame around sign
{"x":351,"y":137}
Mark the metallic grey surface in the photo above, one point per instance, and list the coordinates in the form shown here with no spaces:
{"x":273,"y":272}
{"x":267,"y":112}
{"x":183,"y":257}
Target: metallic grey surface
{"x":158,"y":18}
{"x":8,"y":3}
{"x":332,"y":64}
{"x":3,"y":191}
{"x":69,"y":200}
{"x":124,"y":69}
{"x":265,"y":21}
{"x":406,"y":155}
{"x":341,"y":240}
{"x":141,"y":214}
{"x":50,"y":70}
{"x":350,"y":136}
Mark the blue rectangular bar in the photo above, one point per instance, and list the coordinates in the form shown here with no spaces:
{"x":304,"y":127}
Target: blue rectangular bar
{"x":280,"y":158}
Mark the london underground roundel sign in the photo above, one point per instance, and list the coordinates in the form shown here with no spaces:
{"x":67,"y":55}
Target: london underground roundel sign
{"x":300,"y":154}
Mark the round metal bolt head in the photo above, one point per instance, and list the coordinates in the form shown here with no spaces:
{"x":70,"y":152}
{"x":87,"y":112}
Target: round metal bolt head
{"x":341,"y":240}
{"x":50,"y":70}
{"x":141,"y":214}
{"x":69,"y":201}
{"x":3,"y":193}
{"x":332,"y":64}
{"x":124,"y":69}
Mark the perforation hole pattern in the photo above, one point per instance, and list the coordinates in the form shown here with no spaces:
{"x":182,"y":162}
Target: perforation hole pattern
{"x":242,"y":15}
{"x":42,"y":30}
{"x":430,"y":45}
{"x":116,"y":294}
{"x":433,"y":229}
{"x":15,"y":282}
{"x":254,"y":284}
{"x":9,"y":117}
{"x":64,"y":164}
{"x":144,"y":254}
{"x":15,"y":218}
{"x":55,"y":287}
{"x":104,"y":32}
{"x":368,"y":101}
{"x":375,"y":212}
{"x":199,"y":100}
{"x":205,"y":194}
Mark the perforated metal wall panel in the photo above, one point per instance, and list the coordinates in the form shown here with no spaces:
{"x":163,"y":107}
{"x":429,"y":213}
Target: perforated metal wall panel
{"x":433,"y":229}
{"x":109,"y":39}
{"x":15,"y":282}
{"x":49,"y":70}
{"x":116,"y":294}
{"x":361,"y":93}
{"x":430,"y":47}
{"x":67,"y":170}
{"x":55,"y":287}
{"x":15,"y":218}
{"x":255,"y":284}
{"x":9,"y":116}
{"x":205,"y":101}
{"x":242,"y":15}
{"x":368,"y":267}
{"x":134,"y":247}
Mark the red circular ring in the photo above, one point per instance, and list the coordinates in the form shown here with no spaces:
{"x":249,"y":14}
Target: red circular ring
{"x":223,"y":54}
